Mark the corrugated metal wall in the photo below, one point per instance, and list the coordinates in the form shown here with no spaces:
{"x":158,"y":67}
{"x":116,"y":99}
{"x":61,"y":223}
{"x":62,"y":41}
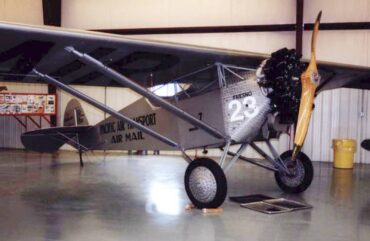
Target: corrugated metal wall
{"x":10,"y":129}
{"x":341,"y":113}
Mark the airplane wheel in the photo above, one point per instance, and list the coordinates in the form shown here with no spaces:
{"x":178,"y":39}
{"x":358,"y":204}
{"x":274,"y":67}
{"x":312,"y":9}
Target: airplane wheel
{"x":205,"y":183}
{"x":302,"y":173}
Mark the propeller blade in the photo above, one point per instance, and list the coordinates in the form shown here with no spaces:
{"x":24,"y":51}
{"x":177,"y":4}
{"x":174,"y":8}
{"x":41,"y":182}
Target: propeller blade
{"x":310,"y":79}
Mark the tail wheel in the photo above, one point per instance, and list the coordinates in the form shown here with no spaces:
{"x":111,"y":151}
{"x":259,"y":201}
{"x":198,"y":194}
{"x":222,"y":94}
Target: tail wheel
{"x":301,"y":173}
{"x":205,"y":183}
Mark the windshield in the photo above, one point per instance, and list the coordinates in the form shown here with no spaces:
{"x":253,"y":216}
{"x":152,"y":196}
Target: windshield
{"x":169,"y":90}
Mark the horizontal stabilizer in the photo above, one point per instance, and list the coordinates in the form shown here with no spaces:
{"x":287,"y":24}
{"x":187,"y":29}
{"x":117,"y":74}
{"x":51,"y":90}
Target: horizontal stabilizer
{"x":366,"y":144}
{"x":51,"y":139}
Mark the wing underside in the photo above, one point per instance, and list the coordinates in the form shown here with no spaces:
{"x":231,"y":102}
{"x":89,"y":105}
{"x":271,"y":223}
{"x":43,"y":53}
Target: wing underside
{"x":23,"y":48}
{"x":149,"y":63}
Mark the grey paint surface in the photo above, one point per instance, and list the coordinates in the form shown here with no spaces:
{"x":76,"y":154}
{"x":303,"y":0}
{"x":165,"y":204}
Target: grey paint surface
{"x":167,"y":124}
{"x":245,"y":108}
{"x":212,"y":107}
{"x":74,"y":115}
{"x":142,"y":198}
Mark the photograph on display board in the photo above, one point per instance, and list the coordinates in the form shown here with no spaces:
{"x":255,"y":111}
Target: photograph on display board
{"x":24,"y":108}
{"x":49,"y":109}
{"x":27,"y":104}
{"x":31,"y":100}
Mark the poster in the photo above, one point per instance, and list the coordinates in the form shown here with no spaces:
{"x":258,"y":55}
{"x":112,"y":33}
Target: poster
{"x":27,"y":104}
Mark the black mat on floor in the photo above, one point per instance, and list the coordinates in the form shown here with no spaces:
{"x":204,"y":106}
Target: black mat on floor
{"x":269,"y":205}
{"x":274,"y":206}
{"x":250,"y":198}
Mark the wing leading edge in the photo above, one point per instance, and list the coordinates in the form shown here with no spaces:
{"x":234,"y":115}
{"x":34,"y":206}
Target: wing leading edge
{"x":24,"y":47}
{"x":148,"y":62}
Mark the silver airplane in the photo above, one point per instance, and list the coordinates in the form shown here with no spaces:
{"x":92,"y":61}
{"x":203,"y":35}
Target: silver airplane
{"x":222,"y":98}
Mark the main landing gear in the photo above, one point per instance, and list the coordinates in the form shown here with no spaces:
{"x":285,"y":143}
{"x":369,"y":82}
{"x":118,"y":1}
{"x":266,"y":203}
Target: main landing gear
{"x":206,"y":184}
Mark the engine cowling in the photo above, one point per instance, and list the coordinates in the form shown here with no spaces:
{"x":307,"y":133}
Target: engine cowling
{"x":279,"y":76}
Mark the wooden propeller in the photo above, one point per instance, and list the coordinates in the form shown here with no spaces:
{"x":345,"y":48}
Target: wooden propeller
{"x":310,"y":79}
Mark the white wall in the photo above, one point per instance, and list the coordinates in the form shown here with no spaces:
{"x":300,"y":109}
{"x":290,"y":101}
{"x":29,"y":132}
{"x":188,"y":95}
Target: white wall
{"x":114,"y":97}
{"x":93,"y":14}
{"x":21,"y":11}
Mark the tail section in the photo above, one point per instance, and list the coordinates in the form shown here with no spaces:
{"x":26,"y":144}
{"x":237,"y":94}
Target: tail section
{"x":75,"y":132}
{"x":74,"y":115}
{"x":51,"y":139}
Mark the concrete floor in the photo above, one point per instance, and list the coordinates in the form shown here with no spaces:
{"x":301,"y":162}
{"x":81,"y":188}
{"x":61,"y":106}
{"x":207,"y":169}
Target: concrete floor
{"x":45,"y":197}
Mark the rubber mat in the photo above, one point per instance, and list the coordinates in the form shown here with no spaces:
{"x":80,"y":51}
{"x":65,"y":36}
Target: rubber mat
{"x":277,"y":205}
{"x":250,"y":198}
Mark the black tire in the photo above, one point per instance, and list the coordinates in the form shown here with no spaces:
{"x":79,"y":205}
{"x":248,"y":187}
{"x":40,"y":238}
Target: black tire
{"x":205,"y":183}
{"x":302,"y":177}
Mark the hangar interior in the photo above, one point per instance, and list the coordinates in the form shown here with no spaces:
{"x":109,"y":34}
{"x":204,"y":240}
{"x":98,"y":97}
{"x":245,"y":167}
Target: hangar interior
{"x":340,"y":113}
{"x":96,"y":197}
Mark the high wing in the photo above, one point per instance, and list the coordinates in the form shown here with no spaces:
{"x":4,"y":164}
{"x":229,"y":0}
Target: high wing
{"x":343,"y":76}
{"x":24,"y":47}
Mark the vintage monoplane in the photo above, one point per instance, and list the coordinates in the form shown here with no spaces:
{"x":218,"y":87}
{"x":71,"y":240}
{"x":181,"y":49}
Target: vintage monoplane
{"x":223,"y":98}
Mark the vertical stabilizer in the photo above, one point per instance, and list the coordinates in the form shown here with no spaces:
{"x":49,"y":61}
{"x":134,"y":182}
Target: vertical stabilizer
{"x":74,"y":115}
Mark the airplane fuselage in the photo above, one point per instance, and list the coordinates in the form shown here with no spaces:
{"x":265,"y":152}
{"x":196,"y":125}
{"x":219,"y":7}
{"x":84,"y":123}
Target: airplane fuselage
{"x":238,"y":110}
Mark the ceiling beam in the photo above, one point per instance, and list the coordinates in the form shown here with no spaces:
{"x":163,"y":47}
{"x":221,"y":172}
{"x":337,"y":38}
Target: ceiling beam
{"x":299,"y":27}
{"x":237,"y":28}
{"x":52,"y":12}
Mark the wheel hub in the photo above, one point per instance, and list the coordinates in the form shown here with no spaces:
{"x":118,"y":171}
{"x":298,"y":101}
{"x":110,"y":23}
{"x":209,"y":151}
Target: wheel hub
{"x":202,"y":184}
{"x":296,"y":174}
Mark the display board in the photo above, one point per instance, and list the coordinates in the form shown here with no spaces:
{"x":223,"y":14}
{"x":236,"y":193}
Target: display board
{"x":27,"y":104}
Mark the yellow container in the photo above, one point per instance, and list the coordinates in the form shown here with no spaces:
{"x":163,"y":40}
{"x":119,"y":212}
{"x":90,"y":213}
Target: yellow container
{"x":344,"y":151}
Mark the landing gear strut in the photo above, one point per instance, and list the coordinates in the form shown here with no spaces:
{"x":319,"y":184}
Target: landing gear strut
{"x":205,"y":180}
{"x":80,"y":154}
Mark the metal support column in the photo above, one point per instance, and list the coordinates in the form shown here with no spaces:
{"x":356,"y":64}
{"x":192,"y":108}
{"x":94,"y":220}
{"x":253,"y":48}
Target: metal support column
{"x":123,"y":80}
{"x":299,"y":27}
{"x":253,"y":161}
{"x":103,"y":107}
{"x":236,"y":156}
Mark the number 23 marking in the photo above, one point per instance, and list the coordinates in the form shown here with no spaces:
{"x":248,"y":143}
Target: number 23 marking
{"x":236,"y":106}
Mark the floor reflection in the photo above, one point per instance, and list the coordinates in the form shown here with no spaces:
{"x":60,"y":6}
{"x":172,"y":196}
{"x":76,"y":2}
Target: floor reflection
{"x":342,"y":182}
{"x":142,"y":198}
{"x":163,"y":199}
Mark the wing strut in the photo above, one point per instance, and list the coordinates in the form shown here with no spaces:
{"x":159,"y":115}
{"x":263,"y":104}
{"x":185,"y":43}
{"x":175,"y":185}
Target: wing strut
{"x":102,"y":107}
{"x":123,"y":80}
